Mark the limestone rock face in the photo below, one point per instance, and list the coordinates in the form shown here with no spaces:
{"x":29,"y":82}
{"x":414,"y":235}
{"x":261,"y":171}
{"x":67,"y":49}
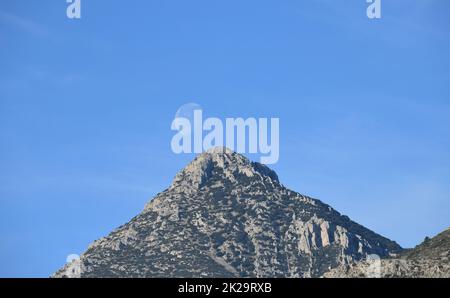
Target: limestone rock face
{"x":225,"y":216}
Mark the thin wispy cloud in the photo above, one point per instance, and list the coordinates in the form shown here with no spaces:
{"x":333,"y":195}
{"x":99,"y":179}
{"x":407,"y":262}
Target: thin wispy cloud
{"x":23,"y":24}
{"x":53,"y":77}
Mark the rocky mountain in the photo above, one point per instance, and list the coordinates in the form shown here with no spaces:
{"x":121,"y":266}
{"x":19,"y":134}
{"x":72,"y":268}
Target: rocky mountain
{"x":225,"y":216}
{"x":431,"y":259}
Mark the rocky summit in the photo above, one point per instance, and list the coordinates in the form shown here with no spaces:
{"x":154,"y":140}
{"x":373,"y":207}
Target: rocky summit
{"x":226,"y":216}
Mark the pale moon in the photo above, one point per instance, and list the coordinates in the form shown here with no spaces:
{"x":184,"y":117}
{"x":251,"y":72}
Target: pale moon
{"x":187,"y":111}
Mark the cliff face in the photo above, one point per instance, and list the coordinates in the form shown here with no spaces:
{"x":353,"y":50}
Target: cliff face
{"x":225,"y":216}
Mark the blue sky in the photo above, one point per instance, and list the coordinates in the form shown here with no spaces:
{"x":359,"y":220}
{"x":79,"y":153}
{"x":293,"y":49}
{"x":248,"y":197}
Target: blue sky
{"x":86,"y":107}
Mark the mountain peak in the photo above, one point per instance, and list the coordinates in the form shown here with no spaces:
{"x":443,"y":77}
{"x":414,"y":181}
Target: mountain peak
{"x":220,"y":150}
{"x":226,"y":216}
{"x":224,"y":162}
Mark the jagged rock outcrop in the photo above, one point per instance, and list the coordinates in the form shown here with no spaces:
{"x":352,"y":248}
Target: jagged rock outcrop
{"x":225,"y":216}
{"x":431,"y":259}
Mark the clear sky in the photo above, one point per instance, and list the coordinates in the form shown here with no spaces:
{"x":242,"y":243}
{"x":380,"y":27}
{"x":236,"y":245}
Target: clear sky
{"x":86,"y":107}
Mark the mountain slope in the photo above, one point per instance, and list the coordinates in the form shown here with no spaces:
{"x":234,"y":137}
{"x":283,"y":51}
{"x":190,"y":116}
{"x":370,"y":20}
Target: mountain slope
{"x":225,"y":216}
{"x":431,"y":259}
{"x":437,"y":248}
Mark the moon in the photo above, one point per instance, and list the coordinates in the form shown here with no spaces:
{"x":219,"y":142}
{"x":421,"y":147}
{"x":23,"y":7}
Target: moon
{"x":187,"y":111}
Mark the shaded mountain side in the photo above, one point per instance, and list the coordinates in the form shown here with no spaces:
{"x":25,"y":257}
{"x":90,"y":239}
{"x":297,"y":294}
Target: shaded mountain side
{"x":225,"y":216}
